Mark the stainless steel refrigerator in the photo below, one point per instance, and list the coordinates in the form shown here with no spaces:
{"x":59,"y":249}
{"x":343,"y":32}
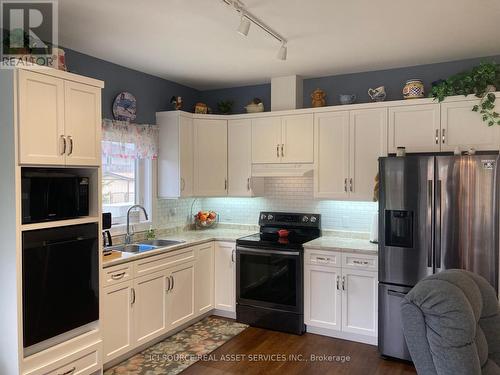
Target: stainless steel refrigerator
{"x":436,"y":212}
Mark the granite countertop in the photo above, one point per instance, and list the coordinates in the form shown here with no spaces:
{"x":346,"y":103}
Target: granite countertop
{"x":190,"y":238}
{"x":352,"y":245}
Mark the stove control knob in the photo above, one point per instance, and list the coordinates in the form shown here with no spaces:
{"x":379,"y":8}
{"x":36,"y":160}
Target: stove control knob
{"x":305,"y":219}
{"x":313,"y":219}
{"x":263,"y":217}
{"x":270,"y":217}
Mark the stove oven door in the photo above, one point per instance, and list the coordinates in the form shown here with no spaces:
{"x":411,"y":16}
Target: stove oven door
{"x":269,"y":278}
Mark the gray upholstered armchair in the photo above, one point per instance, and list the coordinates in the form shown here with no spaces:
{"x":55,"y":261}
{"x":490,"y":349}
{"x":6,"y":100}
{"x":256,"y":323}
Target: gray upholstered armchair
{"x":451,"y":322}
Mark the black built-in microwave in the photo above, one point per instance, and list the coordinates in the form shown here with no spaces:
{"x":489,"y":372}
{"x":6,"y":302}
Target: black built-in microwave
{"x":53,"y":194}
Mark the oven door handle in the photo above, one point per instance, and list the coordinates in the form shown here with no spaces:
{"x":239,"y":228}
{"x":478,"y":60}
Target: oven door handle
{"x":264,"y":252}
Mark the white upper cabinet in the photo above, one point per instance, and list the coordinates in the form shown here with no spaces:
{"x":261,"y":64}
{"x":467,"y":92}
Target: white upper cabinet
{"x":266,"y":140}
{"x":175,"y":156}
{"x":41,"y":119}
{"x":415,"y":127}
{"x":367,"y":142}
{"x":283,"y":139}
{"x":210,"y":158}
{"x":82,"y":125}
{"x":463,"y":129}
{"x":297,"y":139}
{"x":331,"y":146}
{"x":59,"y":121}
{"x":239,"y":160}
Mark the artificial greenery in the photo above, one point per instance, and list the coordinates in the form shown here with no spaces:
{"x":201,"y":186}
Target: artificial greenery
{"x":225,"y":106}
{"x":479,"y":81}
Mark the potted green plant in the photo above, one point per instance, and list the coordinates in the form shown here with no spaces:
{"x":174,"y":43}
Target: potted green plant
{"x":481,"y":81}
{"x":225,"y":106}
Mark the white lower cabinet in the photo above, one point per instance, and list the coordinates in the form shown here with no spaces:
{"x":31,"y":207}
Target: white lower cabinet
{"x":341,"y":301}
{"x":225,"y":276}
{"x":180,"y":296}
{"x":204,"y":278}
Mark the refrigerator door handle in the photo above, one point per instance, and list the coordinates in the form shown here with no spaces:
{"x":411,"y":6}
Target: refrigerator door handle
{"x":437,"y":260}
{"x":396,"y":293}
{"x":430,"y":204}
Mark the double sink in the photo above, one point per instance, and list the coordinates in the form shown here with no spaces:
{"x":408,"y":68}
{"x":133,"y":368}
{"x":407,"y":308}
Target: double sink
{"x":144,"y":246}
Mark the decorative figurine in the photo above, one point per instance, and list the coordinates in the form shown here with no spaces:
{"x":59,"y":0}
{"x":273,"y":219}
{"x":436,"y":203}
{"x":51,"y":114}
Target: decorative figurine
{"x":413,"y":89}
{"x":378,"y":94}
{"x":255,"y":106}
{"x":318,"y":98}
{"x":177,"y":102}
{"x":347,"y":98}
{"x":201,"y":108}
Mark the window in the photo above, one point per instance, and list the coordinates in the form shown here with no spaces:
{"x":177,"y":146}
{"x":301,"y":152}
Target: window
{"x":125,"y":181}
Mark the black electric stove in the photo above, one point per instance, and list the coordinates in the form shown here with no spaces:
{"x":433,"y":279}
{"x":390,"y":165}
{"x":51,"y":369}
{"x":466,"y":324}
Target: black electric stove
{"x":270,"y":271}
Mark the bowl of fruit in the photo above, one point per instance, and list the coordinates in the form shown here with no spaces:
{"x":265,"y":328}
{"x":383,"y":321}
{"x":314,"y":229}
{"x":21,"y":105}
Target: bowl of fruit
{"x":206,"y":219}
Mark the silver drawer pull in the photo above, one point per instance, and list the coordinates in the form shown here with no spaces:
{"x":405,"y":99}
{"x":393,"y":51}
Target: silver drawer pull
{"x":118,"y":276}
{"x":360,"y":262}
{"x":70,"y":371}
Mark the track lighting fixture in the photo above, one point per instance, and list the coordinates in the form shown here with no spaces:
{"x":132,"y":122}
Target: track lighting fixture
{"x":247,"y":18}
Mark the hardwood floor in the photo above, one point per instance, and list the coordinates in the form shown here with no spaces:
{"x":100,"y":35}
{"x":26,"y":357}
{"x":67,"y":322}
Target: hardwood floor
{"x":363,"y":359}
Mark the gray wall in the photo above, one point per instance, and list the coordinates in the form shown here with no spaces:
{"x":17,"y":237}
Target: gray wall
{"x":356,"y":83}
{"x":152,"y":93}
{"x":240,"y":95}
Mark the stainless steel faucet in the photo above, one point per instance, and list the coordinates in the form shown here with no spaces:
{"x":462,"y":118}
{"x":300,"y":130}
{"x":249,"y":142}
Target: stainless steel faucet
{"x":129,"y":236}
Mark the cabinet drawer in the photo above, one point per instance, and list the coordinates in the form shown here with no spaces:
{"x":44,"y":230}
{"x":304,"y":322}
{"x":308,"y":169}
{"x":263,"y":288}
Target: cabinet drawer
{"x":324,"y":258}
{"x":360,"y":261}
{"x":159,"y":262}
{"x":117,"y":274}
{"x":84,"y":362}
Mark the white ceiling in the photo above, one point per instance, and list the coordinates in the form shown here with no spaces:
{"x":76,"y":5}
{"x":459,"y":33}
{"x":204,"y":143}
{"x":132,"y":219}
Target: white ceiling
{"x":194,"y":42}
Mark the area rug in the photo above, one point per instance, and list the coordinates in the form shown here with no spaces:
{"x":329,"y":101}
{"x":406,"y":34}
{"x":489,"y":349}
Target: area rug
{"x":181,"y":350}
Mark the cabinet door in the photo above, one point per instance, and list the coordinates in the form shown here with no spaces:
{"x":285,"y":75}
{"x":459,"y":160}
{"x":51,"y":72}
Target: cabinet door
{"x":266,"y":140}
{"x":225,"y":276}
{"x":210,"y":158}
{"x":180,"y":297}
{"x":331,"y":145}
{"x":239,"y":163}
{"x":322,"y":297}
{"x":360,"y":302}
{"x":367,"y":142}
{"x":149,"y":307}
{"x":463,"y":128}
{"x":204,"y":277}
{"x":117,"y":320}
{"x":297,"y":139}
{"x":415,"y":127}
{"x":41,"y":119}
{"x":186,"y":156}
{"x":82,"y":125}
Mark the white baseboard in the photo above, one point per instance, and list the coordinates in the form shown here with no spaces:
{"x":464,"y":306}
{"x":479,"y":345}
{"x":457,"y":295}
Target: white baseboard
{"x":371,"y":340}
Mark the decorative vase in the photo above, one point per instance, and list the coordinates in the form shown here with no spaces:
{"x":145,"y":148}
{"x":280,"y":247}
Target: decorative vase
{"x":413,"y":89}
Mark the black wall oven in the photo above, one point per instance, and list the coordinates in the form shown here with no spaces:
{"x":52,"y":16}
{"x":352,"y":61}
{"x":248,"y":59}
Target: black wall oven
{"x":60,"y":281}
{"x":53,"y":194}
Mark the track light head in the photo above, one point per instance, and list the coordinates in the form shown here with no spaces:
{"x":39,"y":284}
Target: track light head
{"x":244,"y":26}
{"x":282,"y":52}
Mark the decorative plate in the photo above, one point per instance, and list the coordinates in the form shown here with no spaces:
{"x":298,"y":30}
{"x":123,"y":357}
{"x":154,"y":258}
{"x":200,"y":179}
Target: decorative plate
{"x":125,"y":107}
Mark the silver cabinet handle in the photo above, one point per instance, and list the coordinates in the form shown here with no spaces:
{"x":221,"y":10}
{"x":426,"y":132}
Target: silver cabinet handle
{"x":232,"y":255}
{"x":282,"y":150}
{"x":343,"y":282}
{"x":183,"y":184}
{"x":345,"y":185}
{"x":70,"y":151}
{"x":168,"y":284}
{"x":173,"y":284}
{"x":277,"y":150}
{"x":63,"y":142}
{"x":350,"y":184}
{"x":360,"y":262}
{"x":225,"y":184}
{"x":133,"y":296}
{"x":437,"y":136}
{"x":118,"y":276}
{"x":338,"y":281}
{"x":70,"y":371}
{"x":248,"y":183}
{"x":443,"y":136}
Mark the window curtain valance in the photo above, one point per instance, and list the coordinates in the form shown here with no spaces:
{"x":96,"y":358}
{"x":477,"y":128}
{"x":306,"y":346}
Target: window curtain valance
{"x":128,"y":140}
